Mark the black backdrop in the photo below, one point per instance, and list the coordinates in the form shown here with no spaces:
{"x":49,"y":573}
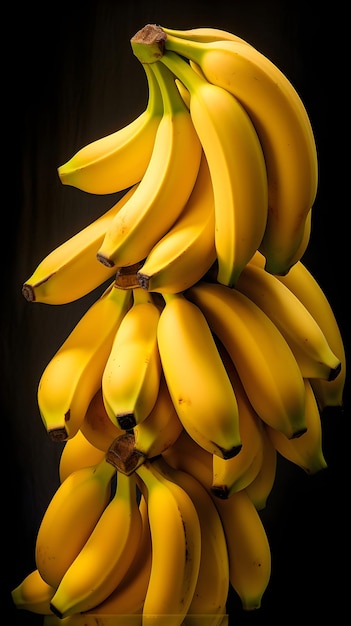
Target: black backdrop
{"x":72,"y":79}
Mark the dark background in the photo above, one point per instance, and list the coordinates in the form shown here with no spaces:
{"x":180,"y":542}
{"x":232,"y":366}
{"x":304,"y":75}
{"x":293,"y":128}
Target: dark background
{"x":72,"y":78}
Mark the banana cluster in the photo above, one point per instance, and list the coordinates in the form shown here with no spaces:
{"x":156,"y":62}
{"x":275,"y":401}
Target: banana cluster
{"x":211,"y":350}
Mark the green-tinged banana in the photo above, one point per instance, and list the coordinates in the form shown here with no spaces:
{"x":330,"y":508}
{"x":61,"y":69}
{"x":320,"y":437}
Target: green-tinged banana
{"x":33,"y":594}
{"x":305,"y":286}
{"x":236,"y":164}
{"x":119,"y":160}
{"x":248,"y":548}
{"x":196,"y":377}
{"x":187,"y":251}
{"x":306,"y":451}
{"x":211,"y":591}
{"x":70,"y":518}
{"x":284,"y":130}
{"x":77,"y":453}
{"x":261,"y":487}
{"x":263,"y":359}
{"x":106,"y":556}
{"x":96,"y":426}
{"x":204,"y":34}
{"x":71,"y":270}
{"x":73,"y":375}
{"x":131,"y":377}
{"x":176,"y":549}
{"x":300,"y":329}
{"x":186,"y":455}
{"x":165,"y":187}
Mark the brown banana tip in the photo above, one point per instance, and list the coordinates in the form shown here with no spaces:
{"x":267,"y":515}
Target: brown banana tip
{"x":123,"y":455}
{"x":126,"y":422}
{"x":334,"y":372}
{"x":104,"y":260}
{"x":58,"y":434}
{"x":220,"y":491}
{"x":28,"y":293}
{"x":298,"y":433}
{"x":229,"y":454}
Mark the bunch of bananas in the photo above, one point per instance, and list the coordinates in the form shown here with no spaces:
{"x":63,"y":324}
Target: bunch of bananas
{"x":211,"y":350}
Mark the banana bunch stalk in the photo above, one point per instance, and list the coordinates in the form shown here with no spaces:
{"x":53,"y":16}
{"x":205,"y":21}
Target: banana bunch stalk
{"x":211,"y":352}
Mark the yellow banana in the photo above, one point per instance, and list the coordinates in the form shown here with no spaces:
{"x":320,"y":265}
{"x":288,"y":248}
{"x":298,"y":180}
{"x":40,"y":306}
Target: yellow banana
{"x":96,"y":426}
{"x":306,"y":451}
{"x":176,"y":549}
{"x":284,"y":130}
{"x":119,"y":160}
{"x":236,"y":164}
{"x":33,"y":594}
{"x":261,"y":487}
{"x":248,"y":548}
{"x":196,"y":377}
{"x":264,"y":361}
{"x":300,"y":329}
{"x":73,"y":375}
{"x":77,"y":453}
{"x":131,"y":377}
{"x":71,"y":270}
{"x":186,"y":252}
{"x":305,"y":286}
{"x":165,"y":187}
{"x":106,"y":556}
{"x":186,"y":455}
{"x":70,"y":518}
{"x":203,"y":34}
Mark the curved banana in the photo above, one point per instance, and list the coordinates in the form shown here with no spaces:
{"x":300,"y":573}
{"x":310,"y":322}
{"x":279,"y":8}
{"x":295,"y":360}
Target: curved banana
{"x":196,"y":377}
{"x":165,"y":187}
{"x":77,"y":453}
{"x":106,"y":556}
{"x":261,"y":487}
{"x":187,"y":251}
{"x":119,"y":160}
{"x":204,"y":34}
{"x":96,"y":426}
{"x":71,"y":270}
{"x":73,"y":375}
{"x":33,"y":594}
{"x":176,"y":549}
{"x":306,"y":451}
{"x":70,"y":518}
{"x":305,"y":286}
{"x":186,"y":455}
{"x":236,"y":164}
{"x":284,"y":129}
{"x":131,"y":377}
{"x":248,"y":548}
{"x":300,"y":329}
{"x":264,"y":361}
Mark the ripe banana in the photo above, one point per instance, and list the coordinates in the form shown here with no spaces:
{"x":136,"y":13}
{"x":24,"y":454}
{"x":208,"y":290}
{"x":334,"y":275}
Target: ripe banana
{"x":261,"y":487}
{"x":73,"y":375}
{"x":70,"y":518}
{"x":106,"y":556}
{"x":131,"y":377}
{"x":284,"y":129}
{"x":264,"y":361}
{"x":186,"y":455}
{"x":71,"y":270}
{"x":196,"y":377}
{"x":33,"y":594}
{"x":300,"y":329}
{"x":186,"y":252}
{"x":165,"y":187}
{"x":176,"y":549}
{"x":96,"y":426}
{"x":203,"y":34}
{"x":236,"y":164}
{"x":119,"y":160}
{"x":77,"y":453}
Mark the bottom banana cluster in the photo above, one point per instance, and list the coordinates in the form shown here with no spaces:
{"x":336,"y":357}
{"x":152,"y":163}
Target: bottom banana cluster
{"x":172,"y":452}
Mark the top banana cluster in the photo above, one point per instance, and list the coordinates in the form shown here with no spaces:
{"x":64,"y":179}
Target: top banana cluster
{"x":210,"y":351}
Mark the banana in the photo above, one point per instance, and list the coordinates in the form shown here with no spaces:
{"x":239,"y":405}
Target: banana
{"x":77,"y":453}
{"x":248,"y":549}
{"x":33,"y":594}
{"x":70,"y":518}
{"x":96,"y":426}
{"x":176,"y":549}
{"x":211,"y":591}
{"x":261,"y":487}
{"x":204,"y":34}
{"x":131,"y":377}
{"x":106,"y":556}
{"x":236,"y":164}
{"x":73,"y":375}
{"x":264,"y":361}
{"x":119,"y":160}
{"x":283,"y":127}
{"x":165,"y":187}
{"x":300,"y":329}
{"x":305,"y":286}
{"x":306,"y":451}
{"x":196,"y":377}
{"x":71,"y":270}
{"x":186,"y":455}
{"x":187,"y":251}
